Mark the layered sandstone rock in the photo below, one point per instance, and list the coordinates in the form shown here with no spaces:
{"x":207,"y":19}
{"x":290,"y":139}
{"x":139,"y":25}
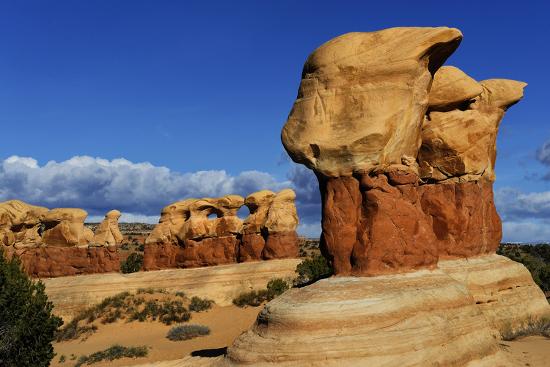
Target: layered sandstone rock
{"x":108,"y":233}
{"x":362,"y":97}
{"x":460,"y":129}
{"x":382,"y":156}
{"x":424,"y":318}
{"x":55,"y":261}
{"x":53,"y":243}
{"x":65,"y":227}
{"x":502,"y":289}
{"x":202,"y":232}
{"x":21,"y":223}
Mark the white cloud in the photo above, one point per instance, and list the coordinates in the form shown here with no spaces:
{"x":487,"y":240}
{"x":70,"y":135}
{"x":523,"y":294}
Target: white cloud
{"x":526,"y":231}
{"x":99,"y":185}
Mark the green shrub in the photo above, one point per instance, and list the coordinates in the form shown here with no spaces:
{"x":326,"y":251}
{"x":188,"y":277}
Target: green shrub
{"x":275,"y":287}
{"x":200,"y":304}
{"x":62,"y":359}
{"x":114,"y":352}
{"x":311,"y":270}
{"x":27,"y":325}
{"x":133,"y":263}
{"x":185,"y":332}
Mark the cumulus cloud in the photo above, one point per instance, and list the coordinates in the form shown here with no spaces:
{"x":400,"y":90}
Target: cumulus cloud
{"x":99,"y":185}
{"x":308,"y":198}
{"x":525,"y":216}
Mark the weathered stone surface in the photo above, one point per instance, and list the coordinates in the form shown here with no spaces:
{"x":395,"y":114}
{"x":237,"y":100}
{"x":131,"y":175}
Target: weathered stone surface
{"x":258,"y":204}
{"x":281,"y":245}
{"x":451,"y":87}
{"x":424,"y":318}
{"x":20,"y":223}
{"x":371,"y":227}
{"x":282,"y":215}
{"x":459,"y":135}
{"x":463,"y":218}
{"x":172,"y":219}
{"x":363,"y":97}
{"x":251,"y":247}
{"x":64,"y":227}
{"x":108,"y":233}
{"x":503,"y":289}
{"x":54,"y":261}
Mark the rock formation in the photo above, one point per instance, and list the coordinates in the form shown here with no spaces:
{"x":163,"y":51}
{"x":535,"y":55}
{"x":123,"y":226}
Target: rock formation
{"x":202,"y":232}
{"x":65,"y":227}
{"x":52,"y":243}
{"x":382,"y":139}
{"x":405,"y":167}
{"x":108,"y":233}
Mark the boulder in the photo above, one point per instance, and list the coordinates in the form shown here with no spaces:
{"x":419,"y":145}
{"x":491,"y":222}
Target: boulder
{"x":108,"y":233}
{"x":172,"y":219}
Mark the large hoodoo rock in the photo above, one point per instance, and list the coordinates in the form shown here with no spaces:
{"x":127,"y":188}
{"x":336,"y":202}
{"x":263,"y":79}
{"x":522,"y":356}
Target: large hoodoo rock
{"x":404,"y":152}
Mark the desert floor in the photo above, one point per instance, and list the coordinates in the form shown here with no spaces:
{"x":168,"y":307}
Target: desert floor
{"x":225,"y":323}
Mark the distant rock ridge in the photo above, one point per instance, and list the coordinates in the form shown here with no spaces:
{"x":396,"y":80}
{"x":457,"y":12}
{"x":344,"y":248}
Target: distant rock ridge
{"x":203,"y":232}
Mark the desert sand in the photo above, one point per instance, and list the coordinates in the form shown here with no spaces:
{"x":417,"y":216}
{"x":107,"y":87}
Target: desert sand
{"x":225,"y":324}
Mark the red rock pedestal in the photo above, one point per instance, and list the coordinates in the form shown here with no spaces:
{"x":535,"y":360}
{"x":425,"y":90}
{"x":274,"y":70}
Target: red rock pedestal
{"x":372,"y":226}
{"x":44,"y":262}
{"x":221,"y":250}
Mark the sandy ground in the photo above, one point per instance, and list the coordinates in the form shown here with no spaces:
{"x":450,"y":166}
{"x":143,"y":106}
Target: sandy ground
{"x":225,"y":323}
{"x":533,"y":351}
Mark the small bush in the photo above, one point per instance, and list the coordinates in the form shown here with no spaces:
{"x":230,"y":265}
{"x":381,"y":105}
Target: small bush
{"x":141,"y":247}
{"x":200,"y":304}
{"x":180,"y":294}
{"x":27,"y":325}
{"x":311,"y":270}
{"x":185,"y":332}
{"x":62,"y":359}
{"x":532,"y":326}
{"x":114,"y":352}
{"x":125,"y":246}
{"x":275,"y":288}
{"x":133,"y":263}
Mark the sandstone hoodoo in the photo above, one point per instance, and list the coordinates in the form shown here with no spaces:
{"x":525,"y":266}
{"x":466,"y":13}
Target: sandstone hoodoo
{"x":382,"y":138}
{"x":108,"y":233}
{"x":203,"y":232}
{"x":55,"y":242}
{"x":404,"y":151}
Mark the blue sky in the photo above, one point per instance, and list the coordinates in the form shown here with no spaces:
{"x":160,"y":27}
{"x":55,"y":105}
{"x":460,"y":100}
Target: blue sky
{"x":200,"y":91}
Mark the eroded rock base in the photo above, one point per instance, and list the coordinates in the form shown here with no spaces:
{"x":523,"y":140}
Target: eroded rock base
{"x":221,"y":250}
{"x":49,"y":261}
{"x":423,"y":318}
{"x":387,"y":223}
